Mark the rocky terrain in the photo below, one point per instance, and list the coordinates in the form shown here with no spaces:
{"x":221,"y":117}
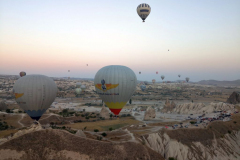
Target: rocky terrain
{"x":234,"y":98}
{"x":57,"y":144}
{"x":200,"y":108}
{"x":219,"y":141}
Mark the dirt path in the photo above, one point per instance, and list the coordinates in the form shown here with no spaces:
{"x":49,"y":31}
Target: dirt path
{"x":22,"y":115}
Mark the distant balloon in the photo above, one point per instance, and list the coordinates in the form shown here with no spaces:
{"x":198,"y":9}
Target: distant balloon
{"x":187,"y":79}
{"x":87,"y":64}
{"x":83,"y":87}
{"x":68,"y":70}
{"x":179,"y":75}
{"x":115,"y":85}
{"x":143,"y":11}
{"x":157,"y":72}
{"x":139,"y":72}
{"x":162,"y":77}
{"x":78,"y":84}
{"x":168,"y":50}
{"x":78,"y":91}
{"x":153,"y":81}
{"x":34,"y":94}
{"x":145,"y":82}
{"x":22,"y":74}
{"x":143,"y":87}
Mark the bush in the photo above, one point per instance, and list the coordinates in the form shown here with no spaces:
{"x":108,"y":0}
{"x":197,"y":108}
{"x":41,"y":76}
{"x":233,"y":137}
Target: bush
{"x":234,"y":122}
{"x":63,"y":127}
{"x":85,"y":128}
{"x":8,"y":110}
{"x":104,"y":134}
{"x":229,"y":132}
{"x":96,"y":130}
{"x":171,"y":158}
{"x":110,"y":129}
{"x":192,"y":122}
{"x":99,"y":138}
{"x":87,"y":117}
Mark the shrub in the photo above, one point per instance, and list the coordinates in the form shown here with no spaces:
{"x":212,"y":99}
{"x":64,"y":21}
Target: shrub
{"x":85,"y":128}
{"x":229,"y":132}
{"x":99,"y":138}
{"x":171,"y":158}
{"x":8,"y":110}
{"x":87,"y":117}
{"x":63,"y":127}
{"x":234,"y":122}
{"x":110,"y":129}
{"x":96,"y":130}
{"x":192,"y":122}
{"x":104,"y":134}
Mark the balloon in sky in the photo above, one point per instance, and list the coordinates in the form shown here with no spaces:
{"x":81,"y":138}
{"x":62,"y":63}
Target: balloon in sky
{"x":157,"y":72}
{"x":87,"y":64}
{"x":179,"y":75}
{"x":143,"y":11}
{"x":78,"y":91}
{"x":34,"y":94}
{"x":162,"y":77}
{"x":153,"y":81}
{"x":22,"y":73}
{"x":139,"y":72}
{"x":78,"y":84}
{"x":143,"y":87}
{"x":115,"y":85}
{"x":68,"y":70}
{"x":187,"y":79}
{"x":145,"y":82}
{"x":83,"y":87}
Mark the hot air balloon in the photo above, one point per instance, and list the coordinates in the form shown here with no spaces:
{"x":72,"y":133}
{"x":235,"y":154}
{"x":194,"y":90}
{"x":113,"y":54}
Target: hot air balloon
{"x":179,"y":75}
{"x":187,"y":79}
{"x":143,"y":11}
{"x":78,"y":91}
{"x":68,"y":70}
{"x":153,"y":81}
{"x":139,"y":72}
{"x":83,"y":87}
{"x":115,"y":85}
{"x":22,"y":73}
{"x":87,"y":64}
{"x":157,"y":72}
{"x":143,"y":87}
{"x":162,"y":77}
{"x":78,"y":84}
{"x":145,"y":82}
{"x":34,"y":94}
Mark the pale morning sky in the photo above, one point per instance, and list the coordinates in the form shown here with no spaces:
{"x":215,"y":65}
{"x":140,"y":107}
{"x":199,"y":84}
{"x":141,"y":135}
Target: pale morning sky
{"x":50,"y":37}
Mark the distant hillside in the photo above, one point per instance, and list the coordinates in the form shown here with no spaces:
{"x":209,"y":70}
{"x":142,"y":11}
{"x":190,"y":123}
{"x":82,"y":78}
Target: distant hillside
{"x":220,"y":83}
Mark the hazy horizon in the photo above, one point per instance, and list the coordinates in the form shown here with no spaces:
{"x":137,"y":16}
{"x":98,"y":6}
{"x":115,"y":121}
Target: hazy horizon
{"x":52,"y":37}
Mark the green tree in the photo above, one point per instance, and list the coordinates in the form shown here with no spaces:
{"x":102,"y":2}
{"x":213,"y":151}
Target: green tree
{"x":130,"y":101}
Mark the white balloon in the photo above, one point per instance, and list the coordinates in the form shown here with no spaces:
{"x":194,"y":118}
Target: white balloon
{"x":78,"y":84}
{"x":78,"y":90}
{"x":143,"y":11}
{"x":115,"y":85}
{"x":35,"y":94}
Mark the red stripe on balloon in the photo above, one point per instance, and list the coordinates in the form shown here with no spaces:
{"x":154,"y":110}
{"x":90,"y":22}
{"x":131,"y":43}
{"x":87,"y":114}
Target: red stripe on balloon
{"x":115,"y":111}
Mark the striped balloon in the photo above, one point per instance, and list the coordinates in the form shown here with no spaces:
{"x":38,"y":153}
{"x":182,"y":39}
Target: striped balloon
{"x":115,"y":85}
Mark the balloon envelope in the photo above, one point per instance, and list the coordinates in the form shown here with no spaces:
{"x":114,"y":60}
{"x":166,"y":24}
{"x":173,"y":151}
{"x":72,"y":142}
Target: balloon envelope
{"x":187,"y":79}
{"x":115,"y":85}
{"x":34,"y":94}
{"x":22,"y":74}
{"x":83,"y":87}
{"x":78,"y":84}
{"x":143,"y":87}
{"x":143,"y":11}
{"x":153,"y":81}
{"x":162,"y":77}
{"x":78,"y":90}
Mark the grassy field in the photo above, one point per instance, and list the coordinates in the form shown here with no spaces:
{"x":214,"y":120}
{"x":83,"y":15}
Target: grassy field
{"x":104,"y":125}
{"x":6,"y":133}
{"x":12,"y":120}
